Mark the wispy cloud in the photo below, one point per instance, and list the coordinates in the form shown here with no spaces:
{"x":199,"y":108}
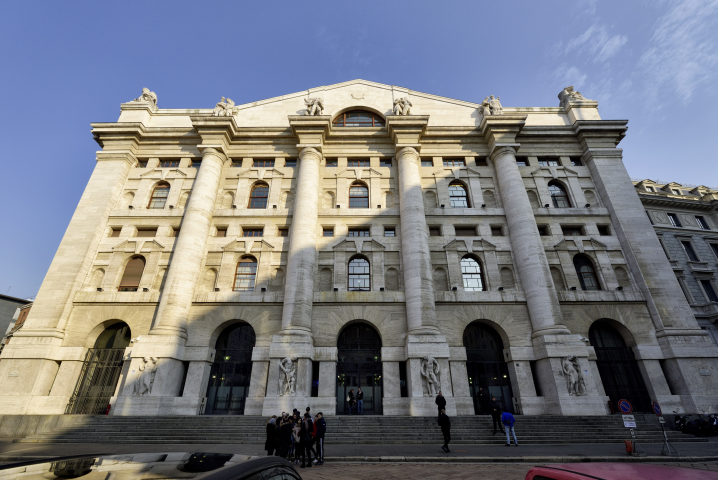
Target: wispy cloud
{"x":597,"y":42}
{"x":683,"y":52}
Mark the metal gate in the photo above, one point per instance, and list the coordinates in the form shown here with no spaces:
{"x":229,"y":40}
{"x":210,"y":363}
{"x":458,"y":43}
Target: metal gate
{"x":486,"y":367}
{"x":101,"y":371}
{"x":359,"y":365}
{"x":229,"y":382}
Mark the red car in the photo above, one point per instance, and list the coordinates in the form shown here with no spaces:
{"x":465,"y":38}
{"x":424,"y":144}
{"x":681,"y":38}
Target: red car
{"x":616,"y":471}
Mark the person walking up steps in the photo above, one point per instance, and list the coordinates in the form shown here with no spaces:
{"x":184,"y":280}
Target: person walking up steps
{"x":360,"y":401}
{"x":508,"y":420}
{"x":321,"y":430}
{"x":440,"y":402}
{"x":445,"y":425}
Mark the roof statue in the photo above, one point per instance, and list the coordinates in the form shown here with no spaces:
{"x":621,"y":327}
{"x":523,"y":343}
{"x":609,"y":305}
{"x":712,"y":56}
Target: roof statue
{"x":315,"y":106}
{"x":147,"y":97}
{"x":402,"y":106}
{"x":491,"y":106}
{"x":225,"y":108}
{"x":568,"y":94}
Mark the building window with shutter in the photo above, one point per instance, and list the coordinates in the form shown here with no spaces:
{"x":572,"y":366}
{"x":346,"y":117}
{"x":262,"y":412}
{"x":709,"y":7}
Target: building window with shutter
{"x":133,"y":274}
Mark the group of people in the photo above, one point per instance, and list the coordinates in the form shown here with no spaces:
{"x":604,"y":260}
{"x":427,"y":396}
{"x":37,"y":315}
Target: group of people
{"x":505,"y":420}
{"x":357,"y":400}
{"x":296,"y":437}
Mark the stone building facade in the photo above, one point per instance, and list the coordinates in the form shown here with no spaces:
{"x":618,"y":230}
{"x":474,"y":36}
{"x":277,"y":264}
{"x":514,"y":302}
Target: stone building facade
{"x":254,"y":258}
{"x":686,"y":222}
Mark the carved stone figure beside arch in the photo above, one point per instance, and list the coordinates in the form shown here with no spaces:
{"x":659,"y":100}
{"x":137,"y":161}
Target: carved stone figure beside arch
{"x":575,"y":383}
{"x":402,"y":106}
{"x":491,"y":106}
{"x":431,"y":373}
{"x":225,"y":108}
{"x":315,"y":106}
{"x":147,"y":369}
{"x":287,"y":376}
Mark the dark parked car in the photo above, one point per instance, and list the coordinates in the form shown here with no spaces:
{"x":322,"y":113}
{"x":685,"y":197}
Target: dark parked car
{"x":616,"y":471}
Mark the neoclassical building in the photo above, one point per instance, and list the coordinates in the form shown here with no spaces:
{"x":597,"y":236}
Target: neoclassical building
{"x":686,"y":222}
{"x":248,"y":259}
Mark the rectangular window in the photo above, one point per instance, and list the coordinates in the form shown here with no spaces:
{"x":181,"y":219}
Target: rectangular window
{"x":175,"y":232}
{"x":604,"y":230}
{"x":543,"y":230}
{"x":650,"y":189}
{"x":315,"y":379}
{"x":497,"y":232}
{"x":689,"y":251}
{"x":676,"y":192}
{"x":196,"y":162}
{"x":283,"y":232}
{"x":141,"y":163}
{"x":332,"y":163}
{"x":454,"y":162}
{"x":434,"y":231}
{"x":710,"y":292}
{"x":385,"y":162}
{"x":115,"y":232}
{"x":359,"y":232}
{"x":389,"y":232}
{"x":549,"y":162}
{"x":576,"y":162}
{"x":147,"y":232}
{"x":522,"y":161}
{"x":236,"y":163}
{"x":569,"y":231}
{"x":290,"y":163}
{"x":466,"y":231}
{"x":702,"y":222}
{"x":263,"y":163}
{"x":482,"y":162}
{"x":714,"y":247}
{"x":252,"y":232}
{"x":673,"y":218}
{"x":328,"y":232}
{"x":358,"y":162}
{"x":649,"y":217}
{"x":221,"y":232}
{"x":169,"y":164}
{"x":427,"y":162}
{"x":660,"y":240}
{"x":403,"y":387}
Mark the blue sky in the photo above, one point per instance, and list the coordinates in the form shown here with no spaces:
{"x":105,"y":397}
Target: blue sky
{"x":67,"y":64}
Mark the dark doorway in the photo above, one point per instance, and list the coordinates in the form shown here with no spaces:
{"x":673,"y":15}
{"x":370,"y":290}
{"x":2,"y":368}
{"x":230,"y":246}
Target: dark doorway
{"x":101,"y":371}
{"x":618,"y":368}
{"x":231,"y":371}
{"x":486,"y":367}
{"x":359,"y":365}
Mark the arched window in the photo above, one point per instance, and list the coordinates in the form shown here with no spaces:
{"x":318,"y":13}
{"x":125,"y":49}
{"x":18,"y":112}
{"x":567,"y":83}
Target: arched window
{"x":259,"y":195}
{"x":358,"y":118}
{"x":471,"y":272}
{"x":159,"y":196}
{"x":358,"y":196}
{"x":359,"y":275}
{"x":246,"y":275}
{"x":559,"y":195}
{"x":458,"y":195}
{"x":133,"y":273}
{"x":586,"y":273}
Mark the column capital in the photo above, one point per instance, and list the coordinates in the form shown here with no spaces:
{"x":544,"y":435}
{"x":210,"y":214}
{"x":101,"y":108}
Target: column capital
{"x":406,"y":130}
{"x":310,"y":130}
{"x":501,"y":130}
{"x":216,"y":150}
{"x":502,"y":150}
{"x":600,"y":134}
{"x":305,"y":150}
{"x":404,"y":150}
{"x":216,"y":132}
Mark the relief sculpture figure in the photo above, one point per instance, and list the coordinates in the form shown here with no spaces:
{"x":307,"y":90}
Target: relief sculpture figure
{"x":402,"y":106}
{"x":574,"y":379}
{"x":287,"y":376}
{"x":431,"y":373}
{"x":225,"y":108}
{"x":146,"y":376}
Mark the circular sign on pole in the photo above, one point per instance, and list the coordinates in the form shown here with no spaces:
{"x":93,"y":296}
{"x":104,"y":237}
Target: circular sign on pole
{"x":656,"y":408}
{"x":625,"y":406}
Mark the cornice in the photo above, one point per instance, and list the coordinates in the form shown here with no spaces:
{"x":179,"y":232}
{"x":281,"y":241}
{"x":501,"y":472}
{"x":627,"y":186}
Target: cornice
{"x":656,"y":200}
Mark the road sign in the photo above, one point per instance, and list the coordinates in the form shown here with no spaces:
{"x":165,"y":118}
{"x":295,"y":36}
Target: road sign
{"x":656,"y":408}
{"x":625,"y":406}
{"x":661,"y":420}
{"x":629,"y":421}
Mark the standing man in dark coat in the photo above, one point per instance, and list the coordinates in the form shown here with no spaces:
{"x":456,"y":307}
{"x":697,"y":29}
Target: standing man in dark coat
{"x":440,"y":402}
{"x":445,"y":425}
{"x":360,"y":401}
{"x":483,"y":401}
{"x":495,"y":409}
{"x":321,"y":431}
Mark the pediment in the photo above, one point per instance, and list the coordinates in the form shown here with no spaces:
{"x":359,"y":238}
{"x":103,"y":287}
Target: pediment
{"x":247,"y":245}
{"x":164,"y":173}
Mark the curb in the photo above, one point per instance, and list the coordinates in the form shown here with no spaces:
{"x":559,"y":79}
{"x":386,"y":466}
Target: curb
{"x":537,"y":459}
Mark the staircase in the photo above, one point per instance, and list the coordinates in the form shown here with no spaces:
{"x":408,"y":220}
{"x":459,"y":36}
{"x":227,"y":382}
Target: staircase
{"x":343,"y":430}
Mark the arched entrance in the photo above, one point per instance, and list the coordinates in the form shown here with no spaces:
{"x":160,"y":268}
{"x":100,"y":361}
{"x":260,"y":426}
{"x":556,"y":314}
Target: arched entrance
{"x":485,"y":365}
{"x":359,"y":365}
{"x":618,"y":368}
{"x":101,"y":371}
{"x":231,"y":371}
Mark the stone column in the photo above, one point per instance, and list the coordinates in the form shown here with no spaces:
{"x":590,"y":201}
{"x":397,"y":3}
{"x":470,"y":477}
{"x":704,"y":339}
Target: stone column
{"x":418,"y":282}
{"x":183,"y":274}
{"x":299,"y":285}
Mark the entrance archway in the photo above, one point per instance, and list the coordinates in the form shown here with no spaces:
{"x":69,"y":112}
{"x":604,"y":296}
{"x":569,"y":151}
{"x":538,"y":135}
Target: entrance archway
{"x":359,"y":365}
{"x":101,"y":371}
{"x":486,"y":367}
{"x":231,"y":371}
{"x":618,"y":368}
